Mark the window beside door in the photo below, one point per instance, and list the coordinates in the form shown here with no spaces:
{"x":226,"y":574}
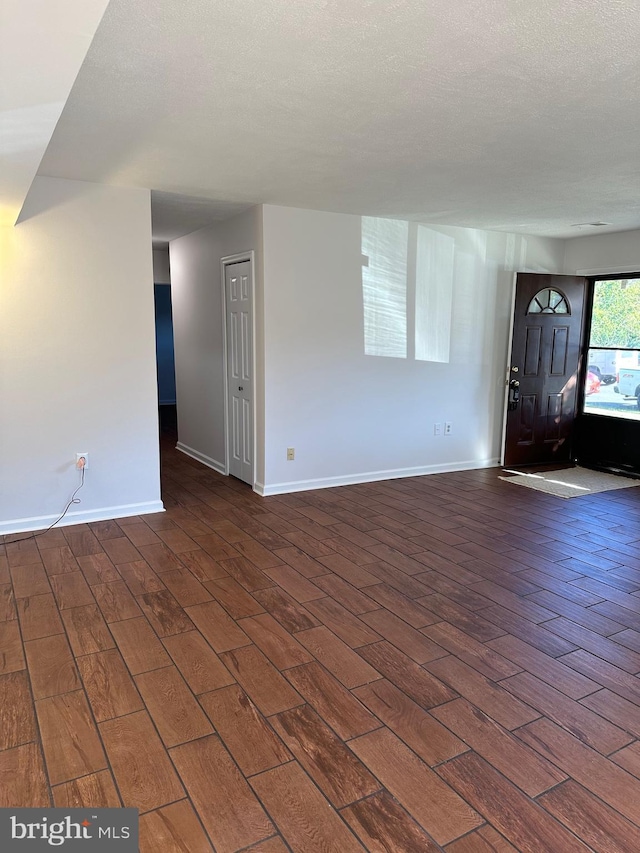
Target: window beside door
{"x":612,"y":384}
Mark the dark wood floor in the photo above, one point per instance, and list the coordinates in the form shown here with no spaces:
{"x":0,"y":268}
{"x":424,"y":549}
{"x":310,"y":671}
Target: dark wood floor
{"x":446,"y":662}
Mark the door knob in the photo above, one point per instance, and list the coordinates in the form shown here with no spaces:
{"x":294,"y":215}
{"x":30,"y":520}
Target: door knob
{"x":240,"y":388}
{"x":514,"y":369}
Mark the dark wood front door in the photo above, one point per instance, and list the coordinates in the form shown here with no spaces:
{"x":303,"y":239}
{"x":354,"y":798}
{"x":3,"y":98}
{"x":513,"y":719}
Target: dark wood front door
{"x":545,"y":368}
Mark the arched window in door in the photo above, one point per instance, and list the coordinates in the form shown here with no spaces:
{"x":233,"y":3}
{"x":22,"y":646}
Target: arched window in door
{"x":548,"y":301}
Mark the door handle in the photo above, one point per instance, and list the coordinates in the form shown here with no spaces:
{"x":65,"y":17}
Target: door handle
{"x":514,"y":394}
{"x":240,"y":388}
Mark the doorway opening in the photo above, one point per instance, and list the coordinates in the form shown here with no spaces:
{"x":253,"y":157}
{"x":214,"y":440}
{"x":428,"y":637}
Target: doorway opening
{"x":165,"y":356}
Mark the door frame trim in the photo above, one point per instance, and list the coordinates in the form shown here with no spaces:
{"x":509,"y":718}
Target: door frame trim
{"x":505,"y":402}
{"x":225,"y":262}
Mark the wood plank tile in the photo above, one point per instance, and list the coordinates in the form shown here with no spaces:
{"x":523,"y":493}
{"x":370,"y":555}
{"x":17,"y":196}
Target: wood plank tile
{"x":409,"y":586}
{"x":349,"y":596}
{"x":98,"y":568}
{"x":245,"y":732}
{"x":410,"y":611}
{"x":347,"y":666}
{"x":548,"y":669}
{"x":594,"y":772}
{"x":303,"y":563}
{"x":39,"y":617}
{"x":536,"y":635}
{"x":428,"y":738}
{"x":302,"y":814}
{"x":483,"y":840}
{"x":173,"y":708}
{"x":605,"y":674}
{"x":57,"y":560}
{"x":71,"y":590}
{"x":81,"y":541}
{"x":70,"y":741}
{"x":139,"y":646}
{"x":17,"y":719}
{"x":227,"y":807}
{"x":499,"y":747}
{"x":217,"y":627}
{"x":597,"y":824}
{"x":177,"y":540}
{"x":109,"y":687}
{"x":518,"y":818}
{"x":115,"y":601}
{"x":96,"y":791}
{"x":471,"y":622}
{"x":199,"y":665}
{"x":29,"y":580}
{"x":105,"y":530}
{"x":202,"y":566}
{"x":480,"y":691}
{"x":186,"y":589}
{"x":160,"y":558}
{"x":121,"y":550}
{"x":342,"y":622}
{"x":629,"y":758}
{"x":11,"y":652}
{"x":588,"y":727}
{"x":399,"y":669}
{"x":140,"y":577}
{"x":261,"y":680}
{"x":335,"y":704}
{"x":614,"y":708}
{"x":7,"y":603}
{"x":145,"y":776}
{"x":234,"y":598}
{"x":398,"y":632}
{"x":51,"y":666}
{"x":164,"y":613}
{"x":87,"y":630}
{"x":435,"y":805}
{"x":278,"y":645}
{"x":295,"y":584}
{"x":284,"y":609}
{"x":22,"y":553}
{"x":601,"y":646}
{"x":511,"y":601}
{"x":23,"y":782}
{"x":248,"y":571}
{"x":334,"y":768}
{"x":173,"y":829}
{"x":384,"y":827}
{"x":477,"y":655}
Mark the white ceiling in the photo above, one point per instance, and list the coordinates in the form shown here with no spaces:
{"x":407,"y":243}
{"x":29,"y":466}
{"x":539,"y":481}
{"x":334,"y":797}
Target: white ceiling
{"x":498,"y":114}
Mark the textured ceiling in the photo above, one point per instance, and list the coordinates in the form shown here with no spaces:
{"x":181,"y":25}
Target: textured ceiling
{"x":499,"y":114}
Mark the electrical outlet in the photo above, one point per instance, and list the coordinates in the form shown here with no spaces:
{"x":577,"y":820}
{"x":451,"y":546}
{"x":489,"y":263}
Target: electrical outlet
{"x":448,"y":428}
{"x":437,"y":429}
{"x":291,"y":454}
{"x":84,"y":456}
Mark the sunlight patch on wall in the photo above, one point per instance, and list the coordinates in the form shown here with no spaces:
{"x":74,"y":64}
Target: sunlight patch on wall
{"x":384,"y":286}
{"x":435,"y":255}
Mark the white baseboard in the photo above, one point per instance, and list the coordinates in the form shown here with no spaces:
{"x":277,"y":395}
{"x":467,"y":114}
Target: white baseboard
{"x":105,"y":513}
{"x":371,"y":477}
{"x":200,"y":457}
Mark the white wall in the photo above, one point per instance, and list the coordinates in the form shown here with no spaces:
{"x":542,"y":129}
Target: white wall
{"x":161,"y":269}
{"x":353,"y":417}
{"x":198,"y":332}
{"x":77,"y":359}
{"x":603,"y":253}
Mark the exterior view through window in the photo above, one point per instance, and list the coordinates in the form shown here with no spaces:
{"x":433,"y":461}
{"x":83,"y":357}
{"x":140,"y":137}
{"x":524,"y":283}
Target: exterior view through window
{"x":613,"y":374}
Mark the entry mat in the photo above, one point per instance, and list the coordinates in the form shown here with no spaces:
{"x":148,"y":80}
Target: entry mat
{"x":571,"y":482}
